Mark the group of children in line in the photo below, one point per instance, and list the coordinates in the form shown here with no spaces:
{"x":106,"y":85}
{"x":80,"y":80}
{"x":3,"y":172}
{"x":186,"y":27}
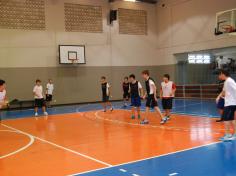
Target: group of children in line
{"x":39,"y":96}
{"x":39,"y":100}
{"x":133,"y":90}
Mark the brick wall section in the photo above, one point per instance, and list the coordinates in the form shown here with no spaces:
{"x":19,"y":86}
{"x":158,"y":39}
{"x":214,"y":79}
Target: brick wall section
{"x":27,"y":15}
{"x":83,"y":18}
{"x":132,"y":22}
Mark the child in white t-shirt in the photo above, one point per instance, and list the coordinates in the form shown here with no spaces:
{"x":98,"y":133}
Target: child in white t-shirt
{"x":3,"y":98}
{"x":38,"y":96}
{"x":49,"y":92}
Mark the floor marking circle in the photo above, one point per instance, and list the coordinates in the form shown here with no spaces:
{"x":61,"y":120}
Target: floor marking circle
{"x":20,"y":149}
{"x":97,"y":116}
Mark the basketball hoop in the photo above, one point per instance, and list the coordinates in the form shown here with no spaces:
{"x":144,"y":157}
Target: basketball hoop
{"x":73,"y":61}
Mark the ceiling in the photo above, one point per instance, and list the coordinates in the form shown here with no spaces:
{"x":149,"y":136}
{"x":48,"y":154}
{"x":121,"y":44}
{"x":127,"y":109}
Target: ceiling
{"x":146,"y":1}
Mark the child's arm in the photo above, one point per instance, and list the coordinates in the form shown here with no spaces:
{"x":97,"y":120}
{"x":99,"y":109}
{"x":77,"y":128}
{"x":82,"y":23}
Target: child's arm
{"x":161,"y":93}
{"x":46,"y":92}
{"x":155,"y":91}
{"x":109,"y":90}
{"x":173,"y":90}
{"x":222,"y":94}
{"x":141,"y":91}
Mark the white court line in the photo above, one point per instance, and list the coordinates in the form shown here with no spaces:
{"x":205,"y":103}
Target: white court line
{"x":59,"y":146}
{"x":20,"y":149}
{"x":150,"y":126}
{"x":186,"y":105}
{"x":153,"y":157}
{"x":173,"y":174}
{"x":122,"y":170}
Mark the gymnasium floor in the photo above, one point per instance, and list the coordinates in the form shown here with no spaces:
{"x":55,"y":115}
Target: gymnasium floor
{"x":83,"y":140}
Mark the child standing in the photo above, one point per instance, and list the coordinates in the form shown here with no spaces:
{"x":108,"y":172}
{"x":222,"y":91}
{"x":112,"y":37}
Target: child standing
{"x":49,"y":92}
{"x":38,"y":96}
{"x":136,"y":93}
{"x":229,"y":114}
{"x":151,"y":95}
{"x":126,"y":91}
{"x":220,"y":100}
{"x":167,"y":94}
{"x":3,"y":97}
{"x":106,"y":93}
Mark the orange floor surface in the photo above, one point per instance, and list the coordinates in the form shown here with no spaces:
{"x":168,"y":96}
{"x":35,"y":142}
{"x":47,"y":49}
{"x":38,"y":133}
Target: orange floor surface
{"x":74,"y":143}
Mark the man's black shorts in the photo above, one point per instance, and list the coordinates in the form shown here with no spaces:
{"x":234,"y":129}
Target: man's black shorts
{"x":167,"y":103}
{"x":151,"y":102}
{"x":48,"y":97}
{"x":39,"y":102}
{"x":126,"y":95}
{"x":228,"y":114}
{"x":105,"y":98}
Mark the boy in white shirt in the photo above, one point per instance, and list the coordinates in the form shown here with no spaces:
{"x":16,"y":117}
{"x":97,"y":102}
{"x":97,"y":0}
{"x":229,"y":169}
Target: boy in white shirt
{"x":38,"y":96}
{"x":151,"y":96}
{"x":3,"y":97}
{"x":167,"y":94}
{"x":49,"y":92}
{"x":229,"y":114}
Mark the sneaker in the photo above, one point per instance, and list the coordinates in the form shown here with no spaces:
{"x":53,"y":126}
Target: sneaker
{"x":104,"y":110}
{"x":227,"y":137}
{"x":164,"y":120}
{"x":36,"y":114}
{"x":45,"y":113}
{"x":132,"y":117}
{"x":144,"y":122}
{"x":111,"y":109}
{"x":168,"y":117}
{"x":220,"y":120}
{"x":234,"y":136}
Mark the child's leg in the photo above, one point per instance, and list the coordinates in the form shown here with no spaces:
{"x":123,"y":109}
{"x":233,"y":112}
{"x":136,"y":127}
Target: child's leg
{"x":104,"y":106}
{"x":234,"y":124}
{"x":36,"y":109}
{"x":133,"y":112}
{"x":109,"y":104}
{"x":158,"y":112}
{"x":147,"y":113}
{"x":167,"y":112}
{"x":44,"y":108}
{"x":138,"y":110}
{"x":234,"y":127}
{"x":227,"y":127}
{"x":126,"y":101}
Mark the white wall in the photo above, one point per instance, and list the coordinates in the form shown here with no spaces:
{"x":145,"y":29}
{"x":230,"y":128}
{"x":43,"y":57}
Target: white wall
{"x":19,"y":48}
{"x":188,"y":25}
{"x":180,"y":26}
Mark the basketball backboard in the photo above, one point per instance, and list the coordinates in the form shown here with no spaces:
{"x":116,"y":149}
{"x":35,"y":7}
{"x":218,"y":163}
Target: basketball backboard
{"x":72,"y":54}
{"x":226,"y":22}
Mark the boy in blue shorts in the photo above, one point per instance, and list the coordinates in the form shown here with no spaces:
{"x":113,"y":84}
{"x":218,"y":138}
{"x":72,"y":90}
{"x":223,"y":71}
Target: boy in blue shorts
{"x":136,"y":92}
